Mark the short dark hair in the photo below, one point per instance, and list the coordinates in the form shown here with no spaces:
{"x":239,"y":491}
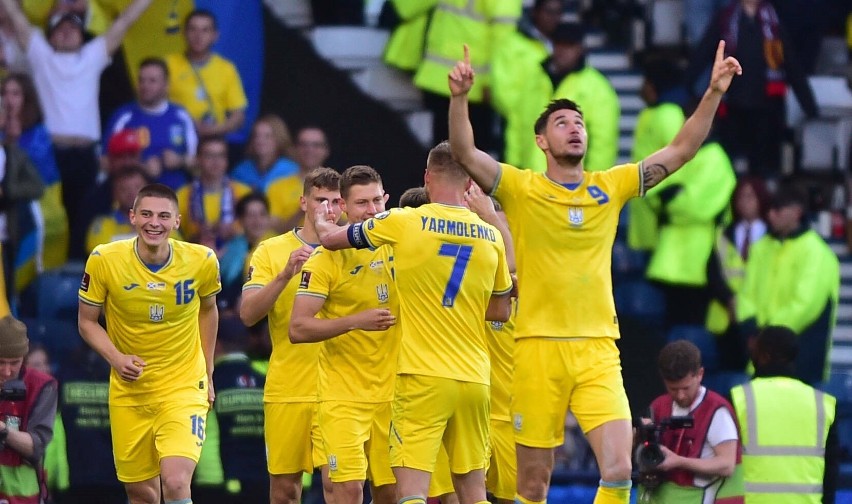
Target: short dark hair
{"x":414,"y":197}
{"x":776,"y":347}
{"x":201,"y":13}
{"x":678,"y":359}
{"x":441,"y":161}
{"x":155,"y":62}
{"x":789,"y":195}
{"x":555,"y":106}
{"x":322,"y":178}
{"x":358,"y":175}
{"x":248,"y":199}
{"x":156,"y":191}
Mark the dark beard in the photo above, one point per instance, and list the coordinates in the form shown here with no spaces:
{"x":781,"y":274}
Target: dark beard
{"x":573,"y":159}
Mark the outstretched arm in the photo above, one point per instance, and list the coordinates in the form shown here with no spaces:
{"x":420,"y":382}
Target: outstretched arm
{"x":479,"y":165}
{"x":670,"y":158}
{"x":22,"y":27}
{"x":119,"y":28}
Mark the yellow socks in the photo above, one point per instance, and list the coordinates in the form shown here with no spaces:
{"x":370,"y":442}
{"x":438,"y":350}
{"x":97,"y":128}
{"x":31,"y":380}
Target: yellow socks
{"x":522,"y":500}
{"x":613,"y":492}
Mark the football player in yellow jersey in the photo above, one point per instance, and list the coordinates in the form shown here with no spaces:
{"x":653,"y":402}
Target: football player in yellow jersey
{"x":159,"y":299}
{"x":451,"y":274}
{"x":347,"y":300}
{"x":564,"y":225}
{"x":293,"y":441}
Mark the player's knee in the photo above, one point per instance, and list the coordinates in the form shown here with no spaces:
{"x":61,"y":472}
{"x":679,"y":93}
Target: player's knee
{"x":175,"y":485}
{"x":533,"y":481}
{"x":618,"y":469}
{"x":348,"y":492}
{"x":147,"y":495}
{"x":283,"y":490}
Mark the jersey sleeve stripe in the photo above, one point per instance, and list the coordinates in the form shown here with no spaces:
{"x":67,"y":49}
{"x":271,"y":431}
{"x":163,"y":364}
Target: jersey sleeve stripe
{"x":312,"y":294}
{"x":497,"y":180}
{"x":253,"y":286}
{"x":89,"y":301}
{"x":501,"y":293}
{"x":217,"y":291}
{"x":641,"y":178}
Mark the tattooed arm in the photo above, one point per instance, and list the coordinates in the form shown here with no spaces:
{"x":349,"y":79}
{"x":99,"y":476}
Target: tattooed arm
{"x":685,"y":144}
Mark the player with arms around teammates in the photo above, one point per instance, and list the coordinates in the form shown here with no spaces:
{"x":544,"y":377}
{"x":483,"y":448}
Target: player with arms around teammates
{"x":158,"y":296}
{"x":451,"y":275}
{"x":565,"y":353}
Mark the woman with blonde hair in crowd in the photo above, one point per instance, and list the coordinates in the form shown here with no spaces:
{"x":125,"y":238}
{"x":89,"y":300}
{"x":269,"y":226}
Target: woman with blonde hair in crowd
{"x":268,"y":155}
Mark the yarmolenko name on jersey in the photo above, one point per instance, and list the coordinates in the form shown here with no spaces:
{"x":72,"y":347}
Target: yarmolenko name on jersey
{"x":458,"y":228}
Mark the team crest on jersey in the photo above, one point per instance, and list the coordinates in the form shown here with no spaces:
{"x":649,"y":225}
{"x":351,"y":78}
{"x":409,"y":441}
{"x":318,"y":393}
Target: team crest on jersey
{"x":517,"y":422}
{"x":156,"y":285}
{"x":332,"y":462}
{"x":176,"y":134}
{"x":575,"y":216}
{"x":382,"y":293}
{"x":156,"y":312}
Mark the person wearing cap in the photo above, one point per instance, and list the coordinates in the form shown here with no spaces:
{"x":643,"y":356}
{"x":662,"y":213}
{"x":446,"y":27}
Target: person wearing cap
{"x":792,"y":279}
{"x":165,"y":129}
{"x":27,"y":415}
{"x":67,"y":72}
{"x":566,"y":75}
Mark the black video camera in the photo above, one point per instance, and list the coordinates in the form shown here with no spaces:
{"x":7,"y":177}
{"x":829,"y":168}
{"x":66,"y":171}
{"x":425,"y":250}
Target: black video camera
{"x":13,"y":391}
{"x":648,"y":455}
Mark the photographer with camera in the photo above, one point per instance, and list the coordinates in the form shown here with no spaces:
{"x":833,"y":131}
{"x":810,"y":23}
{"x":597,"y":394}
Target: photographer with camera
{"x":693,"y":453}
{"x":27,"y":412}
{"x":790,"y":440}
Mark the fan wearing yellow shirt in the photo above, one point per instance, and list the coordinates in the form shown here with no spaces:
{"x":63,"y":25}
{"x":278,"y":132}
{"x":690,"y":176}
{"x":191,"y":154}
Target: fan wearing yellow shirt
{"x":347,"y":300}
{"x":290,"y":407}
{"x":158,"y":296}
{"x":451,"y":275}
{"x":564,"y":223}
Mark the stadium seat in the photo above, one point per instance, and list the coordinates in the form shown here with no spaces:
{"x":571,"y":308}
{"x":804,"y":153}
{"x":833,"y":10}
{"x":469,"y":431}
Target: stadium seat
{"x":59,"y":336}
{"x":703,"y":339}
{"x":56,"y":295}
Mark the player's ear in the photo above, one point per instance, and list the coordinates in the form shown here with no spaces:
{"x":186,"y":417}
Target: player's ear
{"x":177,"y":221}
{"x":386,"y":196}
{"x":541,"y":142}
{"x":303,"y":203}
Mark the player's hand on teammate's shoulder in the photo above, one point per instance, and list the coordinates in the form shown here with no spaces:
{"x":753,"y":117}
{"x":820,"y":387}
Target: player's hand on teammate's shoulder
{"x":461,"y":76}
{"x":128,"y":367}
{"x":375,"y":319}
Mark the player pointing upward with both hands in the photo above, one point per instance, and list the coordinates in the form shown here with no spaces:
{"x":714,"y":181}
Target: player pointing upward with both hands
{"x":565,"y":355}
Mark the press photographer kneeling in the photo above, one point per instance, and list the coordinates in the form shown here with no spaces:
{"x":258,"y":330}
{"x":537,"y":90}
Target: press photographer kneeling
{"x":689,"y":451}
{"x":27,"y":410}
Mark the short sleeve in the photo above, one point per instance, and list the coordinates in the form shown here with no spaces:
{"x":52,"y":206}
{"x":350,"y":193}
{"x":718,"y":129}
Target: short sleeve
{"x":319,"y":274}
{"x":722,"y":428}
{"x":95,"y":53}
{"x":211,"y":282}
{"x":626,"y":180}
{"x":38,"y":47}
{"x":385,"y":228}
{"x":508,"y":186}
{"x":93,"y":286}
{"x":260,"y":269}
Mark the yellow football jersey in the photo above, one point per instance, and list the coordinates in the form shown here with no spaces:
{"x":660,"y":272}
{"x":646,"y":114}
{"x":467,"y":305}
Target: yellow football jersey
{"x":154,"y":315}
{"x":448,"y":264}
{"x":501,"y":345}
{"x":358,"y":366}
{"x":292,"y":375}
{"x":563,"y":241}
